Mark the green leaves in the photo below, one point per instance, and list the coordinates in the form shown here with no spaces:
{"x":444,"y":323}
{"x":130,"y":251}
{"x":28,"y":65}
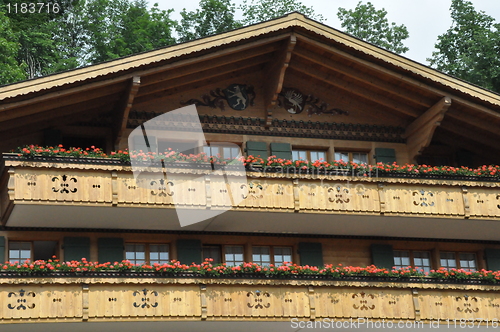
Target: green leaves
{"x":214,"y":16}
{"x":371,"y":25}
{"x":255,"y":11}
{"x":470,"y":48}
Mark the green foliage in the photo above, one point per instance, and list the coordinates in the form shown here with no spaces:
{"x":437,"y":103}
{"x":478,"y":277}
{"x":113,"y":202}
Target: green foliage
{"x":369,"y":24}
{"x":255,"y":11}
{"x":214,"y":16}
{"x":118,"y":28}
{"x":10,"y":71}
{"x":470,"y":48}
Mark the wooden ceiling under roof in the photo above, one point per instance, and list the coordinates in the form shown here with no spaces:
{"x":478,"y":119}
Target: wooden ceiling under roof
{"x":292,"y":47}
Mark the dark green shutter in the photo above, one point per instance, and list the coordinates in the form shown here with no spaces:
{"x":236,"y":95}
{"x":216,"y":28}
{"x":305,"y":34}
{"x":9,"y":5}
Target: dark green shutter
{"x":311,"y":253}
{"x":76,"y":248}
{"x":382,"y":255}
{"x":257,"y":149}
{"x":2,"y":249}
{"x":386,"y":156}
{"x":492,"y":257}
{"x":141,"y":144}
{"x":110,"y":249}
{"x":189,"y":251}
{"x":281,"y":150}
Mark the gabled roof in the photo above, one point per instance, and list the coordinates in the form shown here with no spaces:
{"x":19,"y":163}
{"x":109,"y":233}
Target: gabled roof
{"x":291,"y":46}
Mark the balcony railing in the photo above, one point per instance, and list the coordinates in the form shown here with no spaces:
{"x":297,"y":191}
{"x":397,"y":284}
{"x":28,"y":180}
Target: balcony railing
{"x":106,"y":184}
{"x":113,"y":298}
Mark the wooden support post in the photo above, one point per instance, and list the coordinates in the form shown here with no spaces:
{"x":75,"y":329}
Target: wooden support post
{"x":114,"y":188}
{"x":275,"y":72}
{"x":416,"y":303}
{"x":203,"y":299}
{"x":312,"y":303}
{"x":419,"y":133}
{"x":465,"y":197}
{"x":124,"y":109}
{"x":85,"y":302}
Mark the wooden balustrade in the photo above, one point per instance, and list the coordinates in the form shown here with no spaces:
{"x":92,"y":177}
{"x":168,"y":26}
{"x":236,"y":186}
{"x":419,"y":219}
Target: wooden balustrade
{"x":108,"y":185}
{"x":41,"y":299}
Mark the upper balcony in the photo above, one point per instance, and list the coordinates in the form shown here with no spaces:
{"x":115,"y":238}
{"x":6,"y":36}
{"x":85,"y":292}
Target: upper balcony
{"x":99,"y":193}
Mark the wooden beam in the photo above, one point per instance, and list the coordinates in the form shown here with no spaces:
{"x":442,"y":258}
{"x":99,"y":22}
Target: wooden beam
{"x":120,"y":123}
{"x":481,"y":138}
{"x":220,"y":59}
{"x":404,"y":78}
{"x":54,"y":114}
{"x":188,"y":84}
{"x":419,"y":133}
{"x":467,"y":117}
{"x":360,"y":91}
{"x":81,"y":97}
{"x":48,"y":123}
{"x":432,"y":115}
{"x":202,"y":75}
{"x":274,"y":75}
{"x":363,"y":77}
{"x":457,"y":141}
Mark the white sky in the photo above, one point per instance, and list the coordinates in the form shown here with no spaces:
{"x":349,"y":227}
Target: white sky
{"x":424,"y":19}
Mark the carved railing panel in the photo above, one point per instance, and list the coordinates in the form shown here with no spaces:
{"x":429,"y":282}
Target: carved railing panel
{"x":364,"y":303}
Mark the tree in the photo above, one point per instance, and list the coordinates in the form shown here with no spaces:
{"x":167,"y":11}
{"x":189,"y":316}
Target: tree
{"x":214,"y":16}
{"x":10,"y":70}
{"x":255,"y":11}
{"x":470,"y":48}
{"x":118,"y":28}
{"x":371,"y":25}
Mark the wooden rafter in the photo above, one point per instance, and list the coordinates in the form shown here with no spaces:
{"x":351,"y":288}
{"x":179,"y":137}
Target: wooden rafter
{"x":360,"y":91}
{"x":419,"y":133}
{"x":406,"y":79}
{"x":79,"y":96}
{"x":124,"y":107}
{"x":363,"y":77}
{"x":201,"y":75}
{"x":275,"y":75}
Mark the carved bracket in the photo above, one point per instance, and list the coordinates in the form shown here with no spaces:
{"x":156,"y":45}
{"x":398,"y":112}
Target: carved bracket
{"x":237,"y":96}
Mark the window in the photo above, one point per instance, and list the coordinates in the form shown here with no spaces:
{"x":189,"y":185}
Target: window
{"x":233,"y":255}
{"x":355,"y":157}
{"x":262,"y":255}
{"x":213,"y":252}
{"x":225,"y":152}
{"x":461,"y":260}
{"x":36,"y":250}
{"x":184,"y":147}
{"x":418,"y":259}
{"x":140,"y":253}
{"x":19,"y":251}
{"x":308,"y":155}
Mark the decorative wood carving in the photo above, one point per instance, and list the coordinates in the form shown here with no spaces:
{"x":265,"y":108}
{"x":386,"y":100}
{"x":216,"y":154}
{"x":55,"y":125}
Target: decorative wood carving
{"x":296,"y":102}
{"x":237,"y":96}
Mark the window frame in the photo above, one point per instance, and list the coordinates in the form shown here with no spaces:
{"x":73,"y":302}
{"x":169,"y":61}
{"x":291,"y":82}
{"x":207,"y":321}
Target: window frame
{"x":221,"y":146}
{"x":458,"y":260}
{"x":350,"y":154}
{"x":147,"y":252}
{"x":411,"y":256}
{"x":272,"y":253}
{"x":308,"y":153}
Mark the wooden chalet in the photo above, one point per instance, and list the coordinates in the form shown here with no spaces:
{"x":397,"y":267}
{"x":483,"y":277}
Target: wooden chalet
{"x":303,"y":91}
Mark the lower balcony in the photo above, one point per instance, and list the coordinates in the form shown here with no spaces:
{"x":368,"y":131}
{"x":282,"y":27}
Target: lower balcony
{"x":185,"y":301}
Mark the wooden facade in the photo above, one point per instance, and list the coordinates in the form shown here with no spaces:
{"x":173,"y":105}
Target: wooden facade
{"x":303,"y":88}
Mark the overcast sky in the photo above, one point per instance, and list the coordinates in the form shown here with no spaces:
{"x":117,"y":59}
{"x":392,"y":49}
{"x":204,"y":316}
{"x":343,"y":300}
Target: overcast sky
{"x":425,"y":19}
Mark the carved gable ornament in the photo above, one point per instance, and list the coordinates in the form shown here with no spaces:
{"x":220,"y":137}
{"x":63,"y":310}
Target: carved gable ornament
{"x":295,"y":102}
{"x":237,"y":96}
